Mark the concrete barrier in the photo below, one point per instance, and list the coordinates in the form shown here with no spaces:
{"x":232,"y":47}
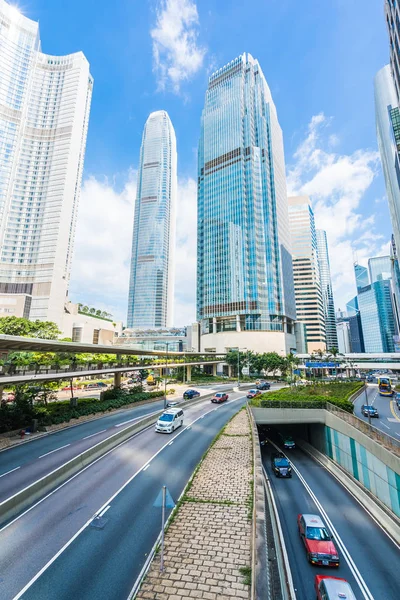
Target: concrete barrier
{"x":24,"y":498}
{"x":377,"y":509}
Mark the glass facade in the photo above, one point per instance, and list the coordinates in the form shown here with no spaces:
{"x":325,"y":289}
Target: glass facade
{"x":392,"y":13}
{"x":380,"y":267}
{"x":306,"y":271}
{"x":362,"y":278}
{"x":387,"y":119}
{"x":326,"y":289}
{"x":44,"y":113}
{"x":152,"y":264}
{"x":244,"y":265}
{"x":377,"y":317}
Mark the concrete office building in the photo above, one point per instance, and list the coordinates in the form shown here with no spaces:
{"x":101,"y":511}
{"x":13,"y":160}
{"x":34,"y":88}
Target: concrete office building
{"x":326,"y":289}
{"x":44,"y":113}
{"x":392,"y":14}
{"x":307,"y":281}
{"x":244,"y":267}
{"x":343,"y":336}
{"x":151,"y":288}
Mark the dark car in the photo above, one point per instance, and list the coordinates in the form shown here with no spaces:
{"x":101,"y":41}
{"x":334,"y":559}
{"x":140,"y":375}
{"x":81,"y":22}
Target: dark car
{"x":189,"y":394}
{"x":253,"y":393}
{"x":288,"y":442}
{"x":370,"y":379}
{"x":367,"y":409}
{"x":220,"y":397}
{"x":264,"y":385}
{"x":280,"y":465}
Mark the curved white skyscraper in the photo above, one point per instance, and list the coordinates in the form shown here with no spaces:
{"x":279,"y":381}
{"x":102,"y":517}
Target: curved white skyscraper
{"x":44,"y":112}
{"x":151,"y":289}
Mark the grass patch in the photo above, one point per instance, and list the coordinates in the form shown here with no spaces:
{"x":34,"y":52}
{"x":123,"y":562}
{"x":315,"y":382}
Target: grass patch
{"x":246,"y":574}
{"x":312,"y":396}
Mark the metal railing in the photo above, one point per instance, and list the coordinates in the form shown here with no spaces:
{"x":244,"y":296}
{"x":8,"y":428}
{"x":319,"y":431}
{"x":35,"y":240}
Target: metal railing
{"x":377,"y":435}
{"x":290,"y":404}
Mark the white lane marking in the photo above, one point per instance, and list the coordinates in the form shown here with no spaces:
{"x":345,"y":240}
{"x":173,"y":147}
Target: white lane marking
{"x":170,"y":444}
{"x":56,"y":450}
{"x":137,"y":418}
{"x":347,"y":556}
{"x":384,"y":424}
{"x":8,"y":472}
{"x":92,"y":434}
{"x":103,"y":512}
{"x":70,"y":541}
{"x":146,"y":467}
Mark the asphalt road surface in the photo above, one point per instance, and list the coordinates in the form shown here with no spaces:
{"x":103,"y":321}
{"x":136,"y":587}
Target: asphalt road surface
{"x":373,"y":560}
{"x":58,"y":550}
{"x":389,"y":414}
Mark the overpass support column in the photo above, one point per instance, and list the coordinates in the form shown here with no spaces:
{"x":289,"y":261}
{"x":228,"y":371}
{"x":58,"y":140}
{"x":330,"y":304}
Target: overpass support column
{"x":117,"y":380}
{"x":214,"y":370}
{"x":214,"y":324}
{"x":189,"y":373}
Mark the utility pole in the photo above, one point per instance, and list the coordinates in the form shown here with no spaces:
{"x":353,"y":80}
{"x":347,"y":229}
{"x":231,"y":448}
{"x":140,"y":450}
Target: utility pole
{"x":366,"y":400}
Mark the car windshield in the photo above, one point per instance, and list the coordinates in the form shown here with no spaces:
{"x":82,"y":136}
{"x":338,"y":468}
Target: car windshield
{"x":317,"y":533}
{"x":252,"y":391}
{"x":282,"y":462}
{"x":166,"y":417}
{"x":218,"y":395}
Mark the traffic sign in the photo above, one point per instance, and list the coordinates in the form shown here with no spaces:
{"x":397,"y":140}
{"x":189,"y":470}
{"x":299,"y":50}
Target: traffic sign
{"x":169,"y":503}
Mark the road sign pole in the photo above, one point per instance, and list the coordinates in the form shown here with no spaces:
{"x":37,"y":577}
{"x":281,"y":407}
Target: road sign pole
{"x":366,"y":399}
{"x":164,"y":493}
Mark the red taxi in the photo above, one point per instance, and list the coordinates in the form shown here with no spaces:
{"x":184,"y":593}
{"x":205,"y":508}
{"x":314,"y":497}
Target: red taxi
{"x":332,"y":588}
{"x":317,"y":541}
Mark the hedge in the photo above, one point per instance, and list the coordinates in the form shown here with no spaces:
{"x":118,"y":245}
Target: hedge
{"x":315,"y":396}
{"x":11,"y":417}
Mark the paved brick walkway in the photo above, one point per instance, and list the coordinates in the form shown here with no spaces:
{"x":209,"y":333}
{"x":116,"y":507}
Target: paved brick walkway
{"x":209,"y":541}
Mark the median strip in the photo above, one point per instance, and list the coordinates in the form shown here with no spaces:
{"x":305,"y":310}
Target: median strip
{"x":207,"y":544}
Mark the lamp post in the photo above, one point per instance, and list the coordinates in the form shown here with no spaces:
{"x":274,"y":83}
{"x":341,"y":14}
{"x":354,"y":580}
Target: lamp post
{"x":238,"y":366}
{"x":166,"y":344}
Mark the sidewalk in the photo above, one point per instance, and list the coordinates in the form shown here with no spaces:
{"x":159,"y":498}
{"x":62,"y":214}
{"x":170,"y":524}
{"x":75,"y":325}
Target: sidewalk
{"x":207,"y":546}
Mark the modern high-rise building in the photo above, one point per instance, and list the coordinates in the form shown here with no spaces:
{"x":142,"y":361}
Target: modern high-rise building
{"x":375,"y":305}
{"x":354,"y":319}
{"x":387,"y":117}
{"x":244,"y":267}
{"x":326,"y":289}
{"x":306,"y":271}
{"x":392,"y":13}
{"x":362,"y":277}
{"x":151,"y":288}
{"x":343,"y":336}
{"x":44,"y":113}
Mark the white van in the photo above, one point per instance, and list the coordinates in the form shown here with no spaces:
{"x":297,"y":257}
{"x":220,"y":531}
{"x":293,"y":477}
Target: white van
{"x":170,"y":420}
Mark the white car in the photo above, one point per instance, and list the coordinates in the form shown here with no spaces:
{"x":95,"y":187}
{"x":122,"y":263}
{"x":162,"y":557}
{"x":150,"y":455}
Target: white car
{"x":170,"y":420}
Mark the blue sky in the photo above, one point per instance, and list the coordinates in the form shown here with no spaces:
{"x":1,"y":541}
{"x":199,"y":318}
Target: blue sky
{"x":319,"y":59}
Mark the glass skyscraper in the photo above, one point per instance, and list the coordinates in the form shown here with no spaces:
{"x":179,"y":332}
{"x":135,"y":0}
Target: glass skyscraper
{"x":326,"y":289}
{"x":362,"y":278}
{"x":387,"y":117}
{"x":307,"y":280}
{"x":151,"y":287}
{"x":392,"y":13}
{"x":44,"y":113}
{"x":244,"y":264}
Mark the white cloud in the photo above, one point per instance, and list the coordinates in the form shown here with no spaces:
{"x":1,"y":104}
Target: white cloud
{"x":337,"y":184}
{"x":176,"y":53}
{"x":186,"y":253}
{"x":100,"y":267}
{"x":101,"y":264}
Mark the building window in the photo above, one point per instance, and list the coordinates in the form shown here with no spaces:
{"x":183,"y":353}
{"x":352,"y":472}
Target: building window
{"x":96,"y":333}
{"x":77,"y":334}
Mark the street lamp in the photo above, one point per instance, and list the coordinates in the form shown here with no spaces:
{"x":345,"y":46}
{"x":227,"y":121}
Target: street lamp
{"x":166,"y":344}
{"x":238,"y":366}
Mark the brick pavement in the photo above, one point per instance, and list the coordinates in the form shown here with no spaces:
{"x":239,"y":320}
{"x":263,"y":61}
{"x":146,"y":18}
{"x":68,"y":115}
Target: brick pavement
{"x":209,"y":540}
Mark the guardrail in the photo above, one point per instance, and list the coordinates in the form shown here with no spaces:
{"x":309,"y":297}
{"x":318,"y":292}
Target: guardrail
{"x":379,"y":436}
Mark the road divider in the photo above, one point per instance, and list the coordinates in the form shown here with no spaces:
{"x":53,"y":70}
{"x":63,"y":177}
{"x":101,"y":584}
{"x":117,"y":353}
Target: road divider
{"x":16,"y":503}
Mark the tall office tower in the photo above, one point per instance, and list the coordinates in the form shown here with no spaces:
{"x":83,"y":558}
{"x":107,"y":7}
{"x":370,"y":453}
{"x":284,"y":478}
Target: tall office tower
{"x":307,"y":279}
{"x":151,"y":288}
{"x":356,"y":333}
{"x":387,"y":117}
{"x":376,"y":309}
{"x":326,"y":289}
{"x":244,"y":265}
{"x":392,"y":13}
{"x":362,"y":278}
{"x":44,"y":113}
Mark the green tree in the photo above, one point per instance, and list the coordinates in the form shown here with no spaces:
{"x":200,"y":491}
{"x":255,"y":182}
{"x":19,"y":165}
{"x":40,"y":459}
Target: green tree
{"x":15,"y":326}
